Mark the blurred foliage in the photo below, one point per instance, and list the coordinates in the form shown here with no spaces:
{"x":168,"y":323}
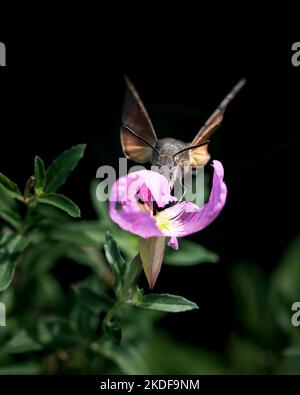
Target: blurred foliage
{"x":104,"y":323}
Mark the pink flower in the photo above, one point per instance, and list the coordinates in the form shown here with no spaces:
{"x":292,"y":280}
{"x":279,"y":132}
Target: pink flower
{"x":142,"y":203}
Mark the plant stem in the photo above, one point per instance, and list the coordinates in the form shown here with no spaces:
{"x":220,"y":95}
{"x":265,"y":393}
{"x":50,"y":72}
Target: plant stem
{"x":112,"y":312}
{"x":131,"y":275}
{"x":116,"y":307}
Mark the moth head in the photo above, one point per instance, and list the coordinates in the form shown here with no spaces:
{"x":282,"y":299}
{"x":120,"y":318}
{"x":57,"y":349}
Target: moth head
{"x":175,"y":158}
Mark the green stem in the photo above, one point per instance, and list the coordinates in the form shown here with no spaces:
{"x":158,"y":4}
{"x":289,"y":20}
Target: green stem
{"x":113,"y":311}
{"x":134,"y":271}
{"x":116,"y":307}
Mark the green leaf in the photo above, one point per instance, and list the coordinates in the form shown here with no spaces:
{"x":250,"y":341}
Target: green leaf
{"x":125,"y":355}
{"x":10,"y":250}
{"x":22,"y":342}
{"x":55,"y":332}
{"x":88,"y":306}
{"x":61,"y":202}
{"x":42,"y":257}
{"x":189,"y":254}
{"x":114,"y":331}
{"x":91,"y":300}
{"x":10,"y":187}
{"x":48,"y":292}
{"x":250,"y":288}
{"x":101,"y":207}
{"x":165,"y":302}
{"x":132,"y":273}
{"x":40,"y":175}
{"x":166,"y":355}
{"x":11,"y":218}
{"x":62,"y":166}
{"x":6,"y":202}
{"x":90,"y":233}
{"x":115,"y":258}
{"x":127,"y":242}
{"x":286,"y":276}
{"x":45,"y":333}
{"x":285,"y":289}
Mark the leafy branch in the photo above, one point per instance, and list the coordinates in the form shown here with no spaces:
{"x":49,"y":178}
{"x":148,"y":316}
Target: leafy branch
{"x":92,"y":322}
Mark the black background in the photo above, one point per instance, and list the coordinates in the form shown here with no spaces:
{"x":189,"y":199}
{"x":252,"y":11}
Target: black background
{"x":64,"y":85}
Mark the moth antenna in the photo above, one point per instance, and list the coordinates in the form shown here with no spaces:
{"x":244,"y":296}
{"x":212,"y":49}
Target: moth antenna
{"x":139,"y":137}
{"x":231,"y":95}
{"x":192,"y":147}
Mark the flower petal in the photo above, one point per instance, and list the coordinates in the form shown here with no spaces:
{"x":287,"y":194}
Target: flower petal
{"x":186,"y":218}
{"x":125,"y":209}
{"x":173,"y":243}
{"x":152,"y":253}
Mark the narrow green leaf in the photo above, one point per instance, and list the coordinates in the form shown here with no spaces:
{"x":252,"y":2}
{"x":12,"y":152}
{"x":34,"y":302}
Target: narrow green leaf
{"x":115,"y":258}
{"x":189,"y":254}
{"x":127,"y":242}
{"x":133,"y":270}
{"x":40,"y":175}
{"x":62,"y":166}
{"x":90,"y":233}
{"x":10,"y":251}
{"x":101,"y":207}
{"x":10,"y":187}
{"x":11,"y":218}
{"x":61,"y":202}
{"x":6,"y":202}
{"x":91,"y":300}
{"x":165,"y":302}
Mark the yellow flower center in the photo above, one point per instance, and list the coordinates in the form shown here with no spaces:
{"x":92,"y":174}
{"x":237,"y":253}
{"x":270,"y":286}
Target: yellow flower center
{"x":163,"y":222}
{"x":162,"y":219}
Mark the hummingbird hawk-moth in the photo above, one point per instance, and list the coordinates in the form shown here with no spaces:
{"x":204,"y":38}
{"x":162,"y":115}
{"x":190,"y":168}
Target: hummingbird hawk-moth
{"x":140,"y":143}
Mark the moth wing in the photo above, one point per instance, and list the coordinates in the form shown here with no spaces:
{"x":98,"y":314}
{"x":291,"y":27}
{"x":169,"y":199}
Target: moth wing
{"x":200,"y":156}
{"x":137,"y":119}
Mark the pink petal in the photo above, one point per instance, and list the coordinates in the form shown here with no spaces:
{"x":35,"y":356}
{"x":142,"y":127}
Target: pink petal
{"x":124,"y":208}
{"x":173,"y":243}
{"x":186,"y":218}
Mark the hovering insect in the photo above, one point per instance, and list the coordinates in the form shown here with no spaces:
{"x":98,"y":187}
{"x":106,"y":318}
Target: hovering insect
{"x":140,"y":143}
